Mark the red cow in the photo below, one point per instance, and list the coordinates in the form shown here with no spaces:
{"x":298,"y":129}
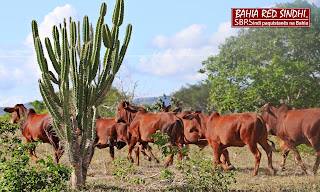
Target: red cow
{"x":111,"y":133}
{"x":35,"y":126}
{"x":191,"y":132}
{"x":294,"y":127}
{"x":143,"y":124}
{"x":235,"y":130}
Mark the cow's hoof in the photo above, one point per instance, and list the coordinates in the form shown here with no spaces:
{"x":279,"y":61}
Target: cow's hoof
{"x":231,"y":167}
{"x":148,"y":158}
{"x":156,"y":160}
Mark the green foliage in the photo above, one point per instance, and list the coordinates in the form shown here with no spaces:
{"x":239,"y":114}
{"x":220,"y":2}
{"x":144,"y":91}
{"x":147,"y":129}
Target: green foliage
{"x":262,"y":65}
{"x":16,"y":172}
{"x":158,"y":105}
{"x":39,"y":107}
{"x":193,"y":97}
{"x":167,"y":175}
{"x":306,"y":151}
{"x":199,"y":176}
{"x":161,"y":141}
{"x":123,"y":169}
{"x":110,"y":103}
{"x":138,"y":181}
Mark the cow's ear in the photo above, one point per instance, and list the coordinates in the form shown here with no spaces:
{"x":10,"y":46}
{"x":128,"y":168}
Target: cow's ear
{"x":166,"y":109}
{"x":176,"y":110}
{"x":125,"y":105}
{"x":10,"y":109}
{"x":190,"y":116}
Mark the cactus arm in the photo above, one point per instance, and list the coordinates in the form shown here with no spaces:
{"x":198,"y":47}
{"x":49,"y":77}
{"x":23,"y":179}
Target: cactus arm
{"x":85,"y":29}
{"x":125,"y":44}
{"x":106,"y":35}
{"x":52,"y":107}
{"x":52,"y":56}
{"x":118,"y":13}
{"x":97,"y":44}
{"x":78,"y":40}
{"x":55,"y":34}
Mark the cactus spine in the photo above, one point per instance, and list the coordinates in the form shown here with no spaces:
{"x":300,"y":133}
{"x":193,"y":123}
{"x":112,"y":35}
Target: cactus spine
{"x":74,"y":106}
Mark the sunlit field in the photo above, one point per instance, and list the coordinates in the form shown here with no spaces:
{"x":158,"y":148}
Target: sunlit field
{"x":150,"y":176}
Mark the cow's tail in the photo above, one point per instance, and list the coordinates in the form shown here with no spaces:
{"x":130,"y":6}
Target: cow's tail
{"x":273,"y":146}
{"x":175,"y":132}
{"x":51,"y":133}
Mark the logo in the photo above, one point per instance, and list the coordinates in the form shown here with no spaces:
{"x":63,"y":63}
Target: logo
{"x":270,"y":17}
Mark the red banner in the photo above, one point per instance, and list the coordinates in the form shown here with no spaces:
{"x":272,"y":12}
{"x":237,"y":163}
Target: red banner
{"x":270,"y":17}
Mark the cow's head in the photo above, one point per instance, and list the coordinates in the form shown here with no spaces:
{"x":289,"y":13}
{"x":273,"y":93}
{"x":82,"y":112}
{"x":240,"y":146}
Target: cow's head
{"x":166,"y":109}
{"x":16,"y":110}
{"x":270,"y":115}
{"x":193,"y":124}
{"x":127,"y":112}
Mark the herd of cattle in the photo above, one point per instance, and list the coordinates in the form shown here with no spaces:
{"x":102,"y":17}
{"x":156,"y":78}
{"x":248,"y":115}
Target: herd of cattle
{"x":134,"y":124}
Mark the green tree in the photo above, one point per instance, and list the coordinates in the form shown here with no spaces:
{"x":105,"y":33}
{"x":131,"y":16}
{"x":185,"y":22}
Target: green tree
{"x":110,"y":103}
{"x":259,"y":65}
{"x":193,"y":97}
{"x":39,"y":107}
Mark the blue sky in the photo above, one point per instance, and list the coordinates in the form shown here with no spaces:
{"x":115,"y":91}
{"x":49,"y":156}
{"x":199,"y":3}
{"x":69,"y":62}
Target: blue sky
{"x":169,"y":41}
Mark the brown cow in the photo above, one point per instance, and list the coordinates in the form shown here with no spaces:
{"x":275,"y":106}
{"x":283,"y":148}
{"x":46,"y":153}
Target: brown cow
{"x":143,"y":124}
{"x":294,"y":127}
{"x":191,"y":131}
{"x":235,"y":130}
{"x":35,"y":126}
{"x":111,"y":133}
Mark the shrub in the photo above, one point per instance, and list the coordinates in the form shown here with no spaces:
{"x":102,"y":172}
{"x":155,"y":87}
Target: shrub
{"x":16,"y":172}
{"x":122,"y":169}
{"x":199,"y":175}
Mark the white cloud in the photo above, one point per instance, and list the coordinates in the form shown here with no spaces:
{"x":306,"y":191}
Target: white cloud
{"x":19,"y":70}
{"x":10,"y":102}
{"x":180,"y":56}
{"x":191,"y":37}
{"x":45,"y":30}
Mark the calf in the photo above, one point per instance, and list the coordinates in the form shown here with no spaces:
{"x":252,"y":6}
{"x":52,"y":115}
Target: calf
{"x":294,"y":127}
{"x":36,"y":126}
{"x":110,"y":134}
{"x":235,"y":130}
{"x":143,"y":124}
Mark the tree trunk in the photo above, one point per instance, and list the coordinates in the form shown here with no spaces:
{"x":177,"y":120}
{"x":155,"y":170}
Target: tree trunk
{"x":77,"y":180}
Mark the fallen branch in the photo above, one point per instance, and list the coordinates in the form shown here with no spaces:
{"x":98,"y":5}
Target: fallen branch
{"x":152,"y":175}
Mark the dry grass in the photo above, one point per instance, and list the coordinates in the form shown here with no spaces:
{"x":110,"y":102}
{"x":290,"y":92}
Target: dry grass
{"x":100,"y":176}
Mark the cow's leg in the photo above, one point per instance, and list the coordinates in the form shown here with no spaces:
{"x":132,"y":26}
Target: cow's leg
{"x":179,"y":152}
{"x":217,"y":153}
{"x":170,"y":159}
{"x":316,"y":145}
{"x":32,"y":150}
{"x":226,"y":159}
{"x":143,"y":151}
{"x":149,"y":149}
{"x":111,"y":151}
{"x":131,"y":146}
{"x":268,"y":149}
{"x":316,"y":164}
{"x":91,"y":155}
{"x":285,"y":153}
{"x":257,"y":154}
{"x":56,"y":153}
{"x":297,"y":155}
{"x":136,"y":150}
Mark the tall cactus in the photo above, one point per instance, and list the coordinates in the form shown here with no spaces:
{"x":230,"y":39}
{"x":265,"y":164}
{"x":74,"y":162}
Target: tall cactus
{"x":73,"y":108}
